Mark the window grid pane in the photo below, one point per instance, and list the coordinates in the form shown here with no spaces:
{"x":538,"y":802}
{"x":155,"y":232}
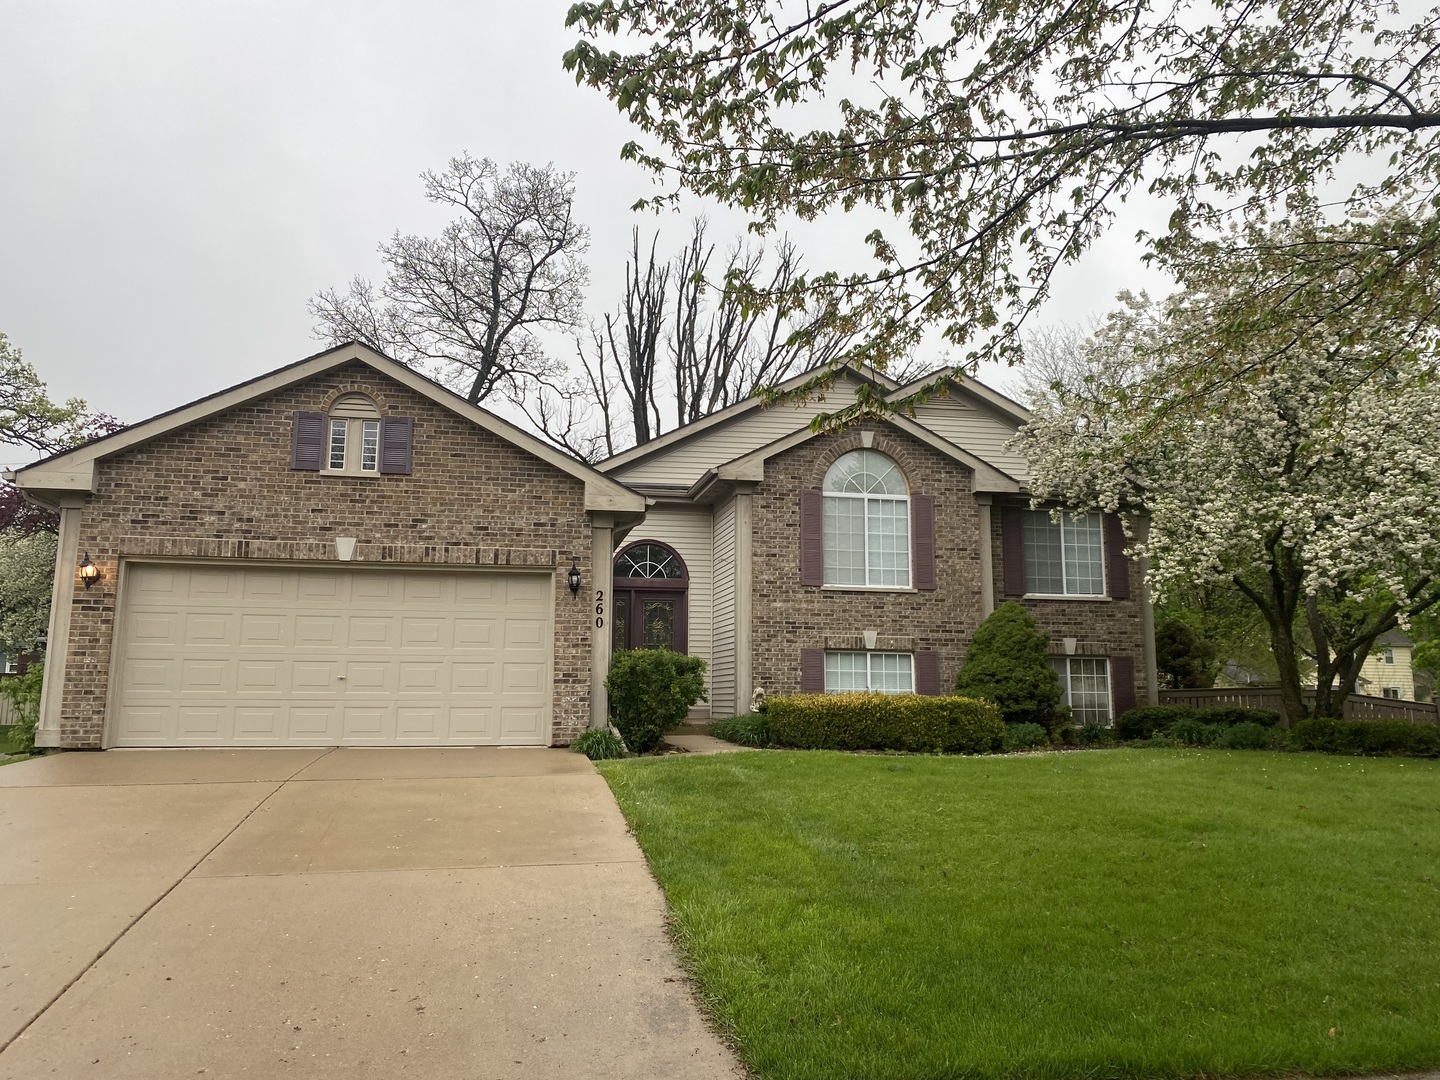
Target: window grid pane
{"x":1084,"y":557}
{"x":888,"y":532}
{"x":1044,"y":555}
{"x":885,"y":673}
{"x":1089,"y":696}
{"x":337,"y":443}
{"x":844,"y":527}
{"x":370,"y":445}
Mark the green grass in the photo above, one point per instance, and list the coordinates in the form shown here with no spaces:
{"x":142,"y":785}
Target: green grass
{"x":1121,"y":913}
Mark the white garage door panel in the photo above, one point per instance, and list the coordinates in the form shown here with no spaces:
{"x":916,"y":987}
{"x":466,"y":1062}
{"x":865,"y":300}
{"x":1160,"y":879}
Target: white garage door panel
{"x":263,"y":657}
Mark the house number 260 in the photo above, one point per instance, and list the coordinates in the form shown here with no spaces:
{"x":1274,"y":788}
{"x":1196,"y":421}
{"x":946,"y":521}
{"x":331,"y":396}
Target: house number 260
{"x":599,"y":608}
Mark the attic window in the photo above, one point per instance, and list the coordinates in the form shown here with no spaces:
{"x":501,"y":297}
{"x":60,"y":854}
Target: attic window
{"x":352,"y":439}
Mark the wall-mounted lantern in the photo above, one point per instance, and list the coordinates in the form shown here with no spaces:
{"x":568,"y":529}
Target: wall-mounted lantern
{"x":573,"y":577}
{"x":89,"y":572}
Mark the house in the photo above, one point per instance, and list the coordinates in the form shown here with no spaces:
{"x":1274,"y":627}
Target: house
{"x":792,"y":560}
{"x":1387,"y":671}
{"x":344,"y":552}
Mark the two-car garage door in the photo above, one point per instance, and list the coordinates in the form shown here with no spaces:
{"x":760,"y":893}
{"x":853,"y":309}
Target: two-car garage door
{"x":213,"y":655}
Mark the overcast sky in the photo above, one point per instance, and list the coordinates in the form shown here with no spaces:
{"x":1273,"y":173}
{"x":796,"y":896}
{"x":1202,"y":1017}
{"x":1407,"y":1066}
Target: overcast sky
{"x":179,"y":178}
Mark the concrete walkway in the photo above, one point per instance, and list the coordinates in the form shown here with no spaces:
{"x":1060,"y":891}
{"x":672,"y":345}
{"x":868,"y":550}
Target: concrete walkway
{"x":317,"y":913}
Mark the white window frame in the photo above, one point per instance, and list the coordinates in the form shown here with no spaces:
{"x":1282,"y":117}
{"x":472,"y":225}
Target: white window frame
{"x":1065,"y":662}
{"x":1103,"y":594}
{"x":870,"y":656}
{"x":1391,"y":692}
{"x":9,"y":665}
{"x":903,"y":502}
{"x":352,"y":444}
{"x":1389,"y":656}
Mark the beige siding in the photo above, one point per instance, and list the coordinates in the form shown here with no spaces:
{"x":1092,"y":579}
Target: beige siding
{"x":688,"y":461}
{"x":1376,"y":675}
{"x":722,"y":674}
{"x":975,"y":429}
{"x":688,"y":530}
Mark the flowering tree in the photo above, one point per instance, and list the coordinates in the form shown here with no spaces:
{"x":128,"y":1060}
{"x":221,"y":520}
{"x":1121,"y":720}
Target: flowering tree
{"x":1306,"y":474}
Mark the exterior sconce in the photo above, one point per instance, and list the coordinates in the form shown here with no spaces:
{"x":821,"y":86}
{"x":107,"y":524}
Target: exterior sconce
{"x":573,"y":577}
{"x":89,"y":572}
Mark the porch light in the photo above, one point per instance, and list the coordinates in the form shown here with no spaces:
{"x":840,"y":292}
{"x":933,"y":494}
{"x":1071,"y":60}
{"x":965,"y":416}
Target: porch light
{"x":573,"y":577}
{"x":89,"y":572}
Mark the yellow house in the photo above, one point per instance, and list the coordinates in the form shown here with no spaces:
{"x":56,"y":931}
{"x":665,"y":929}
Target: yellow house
{"x":1387,"y":671}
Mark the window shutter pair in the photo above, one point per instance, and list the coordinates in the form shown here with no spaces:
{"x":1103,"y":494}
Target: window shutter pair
{"x":812,"y":672}
{"x":307,"y":443}
{"x":812,"y":540}
{"x":1012,"y":548}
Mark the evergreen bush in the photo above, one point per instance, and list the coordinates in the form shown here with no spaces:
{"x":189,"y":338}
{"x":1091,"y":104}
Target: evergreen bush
{"x":1007,"y":664}
{"x":868,"y":721}
{"x":651,"y":691}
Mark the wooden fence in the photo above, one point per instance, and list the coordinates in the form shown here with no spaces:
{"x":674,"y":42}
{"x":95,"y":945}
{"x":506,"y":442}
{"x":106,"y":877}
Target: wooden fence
{"x":1357,"y":706}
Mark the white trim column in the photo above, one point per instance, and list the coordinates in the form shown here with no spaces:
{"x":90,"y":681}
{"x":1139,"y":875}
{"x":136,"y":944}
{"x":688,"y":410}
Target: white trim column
{"x":57,"y":641}
{"x":602,"y":607}
{"x":987,"y":557}
{"x":1141,"y":523}
{"x":744,"y":570}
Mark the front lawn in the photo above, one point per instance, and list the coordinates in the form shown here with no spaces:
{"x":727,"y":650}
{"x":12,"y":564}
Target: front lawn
{"x":1116,"y":913}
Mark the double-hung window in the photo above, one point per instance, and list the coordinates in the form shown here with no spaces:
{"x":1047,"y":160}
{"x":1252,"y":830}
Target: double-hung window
{"x":885,"y":672}
{"x":867,"y":522}
{"x":1065,"y":557}
{"x":1085,"y":682}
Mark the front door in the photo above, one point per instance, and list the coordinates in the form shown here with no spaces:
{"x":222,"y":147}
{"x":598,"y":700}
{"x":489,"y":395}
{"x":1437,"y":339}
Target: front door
{"x":646,"y":619}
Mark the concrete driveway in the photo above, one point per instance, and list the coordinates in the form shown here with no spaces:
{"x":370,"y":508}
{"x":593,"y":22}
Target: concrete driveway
{"x":312,"y":913}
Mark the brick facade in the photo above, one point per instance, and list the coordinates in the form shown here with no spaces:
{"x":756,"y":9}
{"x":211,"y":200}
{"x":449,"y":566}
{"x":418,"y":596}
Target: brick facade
{"x":223,"y":488}
{"x":788,"y":617}
{"x":1099,"y":627}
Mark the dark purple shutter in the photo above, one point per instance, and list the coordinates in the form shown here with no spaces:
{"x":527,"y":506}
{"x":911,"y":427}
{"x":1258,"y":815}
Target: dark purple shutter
{"x":812,"y":545}
{"x":922,"y":532}
{"x":927,"y":673}
{"x":307,"y":441}
{"x":1122,"y":684}
{"x":1012,"y":549}
{"x":1117,"y":565}
{"x":395,"y":439}
{"x":812,"y":671}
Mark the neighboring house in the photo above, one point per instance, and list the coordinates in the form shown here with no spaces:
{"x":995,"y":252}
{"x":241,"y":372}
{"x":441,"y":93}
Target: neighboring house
{"x":343,"y":552}
{"x":339,"y":552}
{"x":1387,"y":671}
{"x":797,"y":561}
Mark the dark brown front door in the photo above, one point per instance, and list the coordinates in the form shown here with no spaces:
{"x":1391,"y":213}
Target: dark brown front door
{"x":649,"y":619}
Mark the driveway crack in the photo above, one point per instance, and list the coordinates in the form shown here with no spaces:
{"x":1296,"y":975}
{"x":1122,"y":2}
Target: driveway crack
{"x":151,"y":906}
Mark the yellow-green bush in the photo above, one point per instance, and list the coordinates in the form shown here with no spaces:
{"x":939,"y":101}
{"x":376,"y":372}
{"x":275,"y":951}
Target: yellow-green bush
{"x":862,"y":721}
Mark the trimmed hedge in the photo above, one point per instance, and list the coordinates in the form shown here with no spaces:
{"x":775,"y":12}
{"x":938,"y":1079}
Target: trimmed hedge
{"x":865,"y":721}
{"x":751,"y":730}
{"x":1367,"y":737}
{"x":651,"y":691}
{"x":1148,"y":721}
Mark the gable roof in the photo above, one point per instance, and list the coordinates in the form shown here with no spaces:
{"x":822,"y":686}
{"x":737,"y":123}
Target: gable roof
{"x":74,"y":470}
{"x":706,"y":424}
{"x":967,"y":387}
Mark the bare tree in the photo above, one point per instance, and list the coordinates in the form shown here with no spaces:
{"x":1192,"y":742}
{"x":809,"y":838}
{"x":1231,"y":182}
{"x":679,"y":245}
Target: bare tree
{"x":471,"y":300}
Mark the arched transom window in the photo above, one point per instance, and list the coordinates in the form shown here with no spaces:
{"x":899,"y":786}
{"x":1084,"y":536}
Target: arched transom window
{"x":649,"y":561}
{"x":867,"y":522}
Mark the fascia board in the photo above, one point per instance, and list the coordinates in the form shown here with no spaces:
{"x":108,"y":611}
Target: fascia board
{"x":67,"y":470}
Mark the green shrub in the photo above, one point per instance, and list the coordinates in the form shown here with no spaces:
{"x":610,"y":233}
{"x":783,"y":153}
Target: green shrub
{"x":1007,"y":664}
{"x":651,"y":691}
{"x":599,"y":744}
{"x":1148,"y":720}
{"x":752,"y":730}
{"x":864,"y":721}
{"x":24,"y":694}
{"x":1094,"y":735}
{"x":1246,"y":736}
{"x":1025,"y":737}
{"x":1366,"y":737}
{"x":1236,"y":714}
{"x":1193,"y":732}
